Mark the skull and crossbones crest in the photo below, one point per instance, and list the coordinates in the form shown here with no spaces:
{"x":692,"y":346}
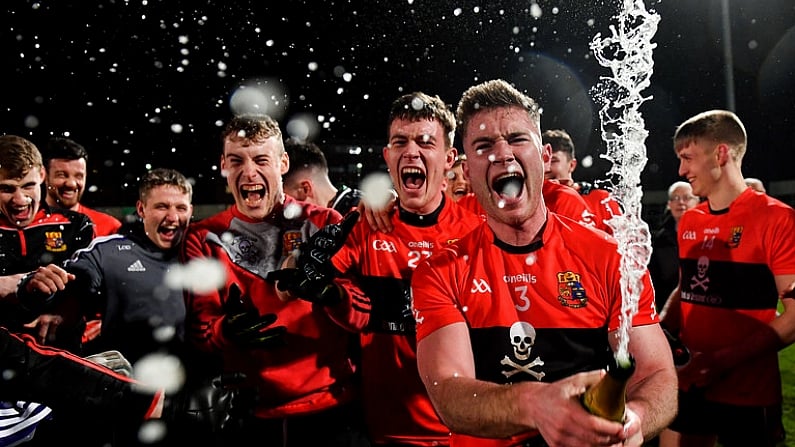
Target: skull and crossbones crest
{"x":523,"y":337}
{"x":700,"y":279}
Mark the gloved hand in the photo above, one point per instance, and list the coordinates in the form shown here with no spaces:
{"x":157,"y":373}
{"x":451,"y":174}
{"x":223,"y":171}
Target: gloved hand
{"x":221,"y":404}
{"x":246,"y":327}
{"x":112,"y":360}
{"x":312,"y":278}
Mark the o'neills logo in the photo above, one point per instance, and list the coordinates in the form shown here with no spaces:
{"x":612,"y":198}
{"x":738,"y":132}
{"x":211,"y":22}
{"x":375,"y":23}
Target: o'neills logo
{"x":291,"y":241}
{"x":570,"y":290}
{"x":54,"y":241}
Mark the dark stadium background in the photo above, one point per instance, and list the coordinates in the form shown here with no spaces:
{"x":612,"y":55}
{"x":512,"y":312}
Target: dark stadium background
{"x":147,"y":83}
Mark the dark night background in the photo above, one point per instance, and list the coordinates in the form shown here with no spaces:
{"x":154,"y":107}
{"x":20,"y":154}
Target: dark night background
{"x":148,"y":83}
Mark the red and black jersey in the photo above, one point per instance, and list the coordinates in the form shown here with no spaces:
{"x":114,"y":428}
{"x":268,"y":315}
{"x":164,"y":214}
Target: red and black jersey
{"x":603,"y":205}
{"x":51,"y":238}
{"x":396,"y":404}
{"x":104,"y":224}
{"x":728,"y":262}
{"x":314,"y":371}
{"x":470,"y":202}
{"x":540,"y":312}
{"x":564,"y":200}
{"x":558,"y":198}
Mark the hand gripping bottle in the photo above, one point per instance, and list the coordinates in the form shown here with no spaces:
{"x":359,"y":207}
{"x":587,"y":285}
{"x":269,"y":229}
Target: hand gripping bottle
{"x":608,"y":397}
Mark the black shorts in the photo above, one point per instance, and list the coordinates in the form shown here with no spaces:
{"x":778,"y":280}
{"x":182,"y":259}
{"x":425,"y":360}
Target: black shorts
{"x":734,"y":425}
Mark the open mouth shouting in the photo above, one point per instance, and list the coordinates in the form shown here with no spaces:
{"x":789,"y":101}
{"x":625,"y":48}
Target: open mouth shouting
{"x":20,"y":213}
{"x":508,"y":186}
{"x":252,"y":195}
{"x":412,"y":178}
{"x":168,"y":233}
{"x":460,"y":191}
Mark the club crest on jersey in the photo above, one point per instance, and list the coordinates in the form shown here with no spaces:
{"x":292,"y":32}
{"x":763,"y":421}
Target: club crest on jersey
{"x":291,"y":241}
{"x":736,"y":233}
{"x":571,"y":293}
{"x":54,"y":241}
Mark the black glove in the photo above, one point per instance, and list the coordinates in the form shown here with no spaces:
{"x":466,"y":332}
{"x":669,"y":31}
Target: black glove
{"x":312,"y":279}
{"x":220,"y":404}
{"x":247,"y":327}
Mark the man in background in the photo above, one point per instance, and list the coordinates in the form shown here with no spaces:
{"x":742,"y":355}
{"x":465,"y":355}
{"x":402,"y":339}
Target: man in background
{"x":66,"y":165}
{"x":755,"y":184}
{"x":737,"y":268}
{"x":562,"y":165}
{"x":66,"y":170}
{"x":308,"y":180}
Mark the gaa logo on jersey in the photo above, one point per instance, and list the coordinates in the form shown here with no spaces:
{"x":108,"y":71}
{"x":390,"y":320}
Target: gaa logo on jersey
{"x":734,"y":238}
{"x":571,"y":293}
{"x":291,"y":241}
{"x":54,"y":241}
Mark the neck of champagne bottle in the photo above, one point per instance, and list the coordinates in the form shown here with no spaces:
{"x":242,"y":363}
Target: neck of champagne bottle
{"x":607,"y":398}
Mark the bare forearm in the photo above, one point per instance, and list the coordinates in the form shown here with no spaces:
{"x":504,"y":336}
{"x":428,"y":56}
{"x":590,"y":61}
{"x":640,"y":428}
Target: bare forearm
{"x":654,"y":399}
{"x":477,"y":408}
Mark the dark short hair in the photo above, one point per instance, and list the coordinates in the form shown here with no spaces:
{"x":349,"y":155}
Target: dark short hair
{"x":560,"y":140}
{"x":62,"y":148}
{"x":163,"y":177}
{"x":421,"y":106}
{"x":303,"y":155}
{"x":493,"y":94}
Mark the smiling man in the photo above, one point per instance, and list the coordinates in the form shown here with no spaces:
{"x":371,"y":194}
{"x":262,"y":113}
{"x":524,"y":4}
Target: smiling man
{"x":32,"y":237}
{"x":307,"y":385}
{"x":122,"y":277}
{"x":65,"y":164}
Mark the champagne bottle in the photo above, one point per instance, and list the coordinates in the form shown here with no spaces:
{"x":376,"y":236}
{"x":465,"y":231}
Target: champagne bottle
{"x":607,"y":398}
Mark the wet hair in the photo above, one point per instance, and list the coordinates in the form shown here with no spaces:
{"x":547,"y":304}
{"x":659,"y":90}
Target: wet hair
{"x":253,"y":128}
{"x":493,"y":94}
{"x":62,"y":148}
{"x":18,"y":156}
{"x":164,"y":177}
{"x":560,"y":140}
{"x":717,"y":126}
{"x":420,"y":106}
{"x":303,"y":155}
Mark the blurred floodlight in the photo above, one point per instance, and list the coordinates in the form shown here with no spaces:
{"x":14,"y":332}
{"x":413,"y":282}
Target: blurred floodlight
{"x":377,"y":190}
{"x":160,"y":371}
{"x":266,"y":96}
{"x":200,"y":275}
{"x":303,"y":127}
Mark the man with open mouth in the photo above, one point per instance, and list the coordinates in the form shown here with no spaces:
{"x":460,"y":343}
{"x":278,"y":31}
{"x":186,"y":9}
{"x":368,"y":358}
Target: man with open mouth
{"x":305,"y":382}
